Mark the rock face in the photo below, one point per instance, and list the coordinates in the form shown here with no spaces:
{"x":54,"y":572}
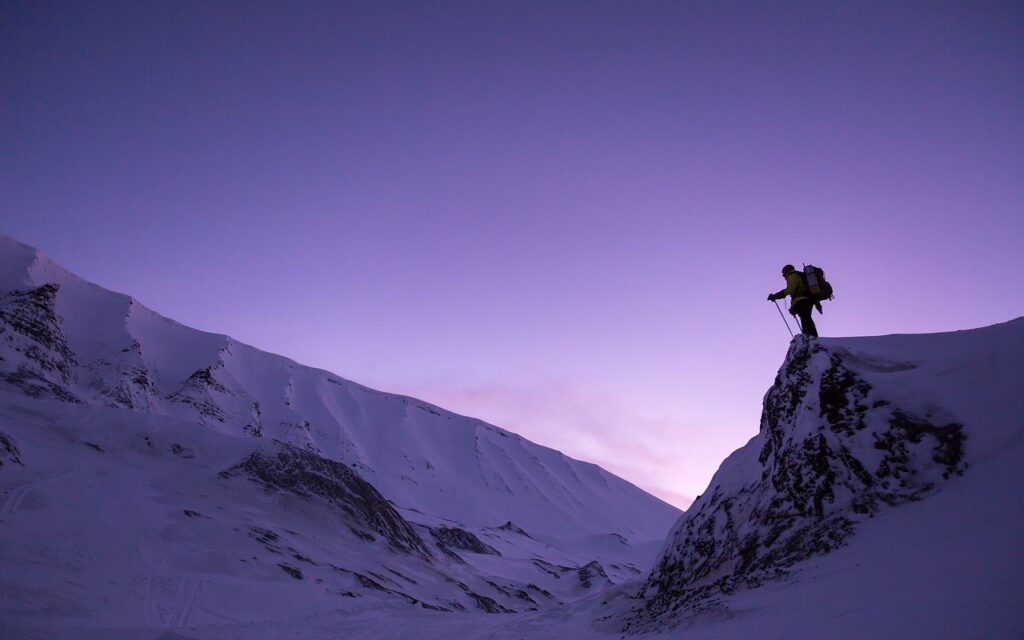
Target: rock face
{"x":8,"y":451}
{"x":830,"y":453}
{"x":513,"y":528}
{"x":30,"y":327}
{"x":283,"y":467}
{"x":456,"y":538}
{"x":123,"y":380}
{"x":592,"y":573}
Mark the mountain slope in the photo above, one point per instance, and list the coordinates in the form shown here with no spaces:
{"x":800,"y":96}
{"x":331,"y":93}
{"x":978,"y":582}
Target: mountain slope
{"x":69,"y":339}
{"x":116,"y":519}
{"x":154,"y":477}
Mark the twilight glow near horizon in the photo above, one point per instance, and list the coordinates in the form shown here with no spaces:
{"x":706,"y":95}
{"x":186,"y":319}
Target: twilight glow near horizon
{"x":562,"y":218}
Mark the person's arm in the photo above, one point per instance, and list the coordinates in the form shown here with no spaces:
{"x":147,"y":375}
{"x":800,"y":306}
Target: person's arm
{"x":792,"y":284}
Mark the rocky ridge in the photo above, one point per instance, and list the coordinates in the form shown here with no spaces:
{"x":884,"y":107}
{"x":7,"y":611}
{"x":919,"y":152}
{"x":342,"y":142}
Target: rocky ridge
{"x":831,"y":452}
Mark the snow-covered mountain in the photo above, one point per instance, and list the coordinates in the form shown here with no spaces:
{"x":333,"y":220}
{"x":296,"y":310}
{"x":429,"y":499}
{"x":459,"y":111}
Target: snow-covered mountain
{"x":146,"y":467}
{"x":75,"y":341}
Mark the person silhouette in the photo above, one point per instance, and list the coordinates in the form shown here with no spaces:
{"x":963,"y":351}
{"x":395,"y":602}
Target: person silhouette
{"x":800,"y":302}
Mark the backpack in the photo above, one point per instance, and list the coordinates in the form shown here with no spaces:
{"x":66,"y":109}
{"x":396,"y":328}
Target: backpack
{"x":816,"y":284}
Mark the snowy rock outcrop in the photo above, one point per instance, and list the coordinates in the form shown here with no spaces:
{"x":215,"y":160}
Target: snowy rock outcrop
{"x":286,"y":468}
{"x":35,"y":356}
{"x":456,"y":538}
{"x":8,"y":451}
{"x":832,"y":451}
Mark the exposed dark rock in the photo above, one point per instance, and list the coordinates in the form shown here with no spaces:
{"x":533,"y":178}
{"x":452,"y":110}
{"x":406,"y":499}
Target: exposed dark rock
{"x":301,"y":558}
{"x":32,"y":313}
{"x":134,"y":387}
{"x":205,"y":378}
{"x":383,"y":579}
{"x":255,"y":426}
{"x":198,"y":392}
{"x":510,"y":526}
{"x":591,"y":571}
{"x":283,"y":467}
{"x":553,"y":570}
{"x":512,"y":592}
{"x":451,"y":555}
{"x":949,"y":451}
{"x":292,"y":571}
{"x":369,"y":583}
{"x":430,"y":410}
{"x":490,"y":605}
{"x":183,"y":452}
{"x":30,"y":326}
{"x":543,"y":592}
{"x":35,"y":385}
{"x":454,"y":537}
{"x":401,"y":575}
{"x":9,"y":451}
{"x":624,"y":567}
{"x":267,"y":538}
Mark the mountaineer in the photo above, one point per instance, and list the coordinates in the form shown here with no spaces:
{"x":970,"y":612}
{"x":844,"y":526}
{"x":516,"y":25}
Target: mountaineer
{"x":801,"y":302}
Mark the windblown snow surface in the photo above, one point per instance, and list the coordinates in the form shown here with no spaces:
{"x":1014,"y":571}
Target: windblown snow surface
{"x":161,"y":482}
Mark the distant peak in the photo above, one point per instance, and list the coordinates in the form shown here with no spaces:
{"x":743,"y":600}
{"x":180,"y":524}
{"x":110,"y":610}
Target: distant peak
{"x":17,"y":263}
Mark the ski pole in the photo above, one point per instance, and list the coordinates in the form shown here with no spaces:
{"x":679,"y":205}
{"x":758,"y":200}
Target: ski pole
{"x":783,"y":318}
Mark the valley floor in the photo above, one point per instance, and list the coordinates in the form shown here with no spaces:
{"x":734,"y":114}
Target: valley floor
{"x":950,"y":567}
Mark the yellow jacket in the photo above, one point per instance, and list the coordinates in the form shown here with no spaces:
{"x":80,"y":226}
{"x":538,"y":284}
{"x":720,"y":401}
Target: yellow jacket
{"x":795,"y":289}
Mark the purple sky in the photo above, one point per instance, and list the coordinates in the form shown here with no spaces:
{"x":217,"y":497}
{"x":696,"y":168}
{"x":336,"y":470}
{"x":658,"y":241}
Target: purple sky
{"x":563,"y":218}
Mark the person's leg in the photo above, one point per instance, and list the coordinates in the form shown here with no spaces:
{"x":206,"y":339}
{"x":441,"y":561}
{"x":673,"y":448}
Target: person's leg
{"x":804,"y":310}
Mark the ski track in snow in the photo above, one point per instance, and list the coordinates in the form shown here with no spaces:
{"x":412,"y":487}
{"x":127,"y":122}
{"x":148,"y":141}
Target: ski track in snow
{"x":170,"y":602}
{"x":18,"y":494}
{"x":13,"y":500}
{"x":188,"y":590}
{"x":145,"y":585}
